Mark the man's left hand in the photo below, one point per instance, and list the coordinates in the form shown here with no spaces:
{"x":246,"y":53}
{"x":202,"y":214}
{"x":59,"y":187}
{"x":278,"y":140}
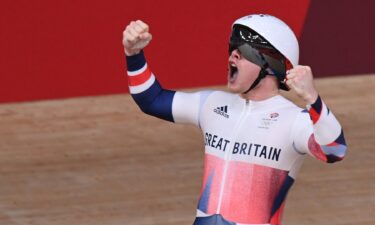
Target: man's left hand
{"x":300,"y":79}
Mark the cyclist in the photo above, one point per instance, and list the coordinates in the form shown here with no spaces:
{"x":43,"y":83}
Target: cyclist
{"x":255,"y":139}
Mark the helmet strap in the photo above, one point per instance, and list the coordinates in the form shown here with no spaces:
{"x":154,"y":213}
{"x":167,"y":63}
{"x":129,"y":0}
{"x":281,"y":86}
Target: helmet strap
{"x":262,"y":74}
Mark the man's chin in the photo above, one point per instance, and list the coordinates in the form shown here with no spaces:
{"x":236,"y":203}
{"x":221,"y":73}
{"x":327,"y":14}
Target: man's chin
{"x":233,"y":89}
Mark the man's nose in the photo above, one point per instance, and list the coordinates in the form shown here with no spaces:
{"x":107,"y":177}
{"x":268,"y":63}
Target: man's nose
{"x":235,"y":54}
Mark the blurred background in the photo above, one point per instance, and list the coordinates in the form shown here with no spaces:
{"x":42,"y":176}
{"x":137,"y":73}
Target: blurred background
{"x":66,"y":49}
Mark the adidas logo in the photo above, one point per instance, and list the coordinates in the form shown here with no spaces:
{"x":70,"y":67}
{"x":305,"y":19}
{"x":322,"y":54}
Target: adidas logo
{"x":223,"y":110}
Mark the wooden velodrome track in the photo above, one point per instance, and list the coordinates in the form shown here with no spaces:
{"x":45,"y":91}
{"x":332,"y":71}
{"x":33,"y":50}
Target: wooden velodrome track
{"x":99,"y":161}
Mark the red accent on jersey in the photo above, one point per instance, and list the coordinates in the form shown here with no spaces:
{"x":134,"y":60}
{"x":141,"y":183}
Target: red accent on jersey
{"x":333,"y":144}
{"x":249,"y":192}
{"x":213,"y":164}
{"x":276,"y":218}
{"x":315,"y":149}
{"x":140,"y":78}
{"x":314,"y":115}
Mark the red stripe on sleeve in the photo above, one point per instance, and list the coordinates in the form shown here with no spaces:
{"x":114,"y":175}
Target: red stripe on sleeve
{"x":140,"y":78}
{"x":333,"y":144}
{"x":315,"y":149}
{"x":314,"y":115}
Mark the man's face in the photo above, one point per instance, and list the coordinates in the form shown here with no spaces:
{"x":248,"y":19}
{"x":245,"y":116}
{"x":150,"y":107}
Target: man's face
{"x":241,"y":73}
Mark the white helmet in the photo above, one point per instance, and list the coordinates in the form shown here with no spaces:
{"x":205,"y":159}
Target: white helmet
{"x":266,"y":41}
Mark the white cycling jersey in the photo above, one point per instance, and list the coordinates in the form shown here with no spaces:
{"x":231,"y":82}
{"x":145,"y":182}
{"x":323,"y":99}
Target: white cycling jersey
{"x":253,"y":149}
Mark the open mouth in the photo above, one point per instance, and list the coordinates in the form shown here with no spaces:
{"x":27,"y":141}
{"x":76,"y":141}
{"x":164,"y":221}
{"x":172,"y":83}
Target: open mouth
{"x":232,"y":72}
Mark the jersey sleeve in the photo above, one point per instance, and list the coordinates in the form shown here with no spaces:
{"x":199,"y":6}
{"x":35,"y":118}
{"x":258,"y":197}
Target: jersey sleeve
{"x":317,"y":132}
{"x":187,"y":107}
{"x":156,"y":101}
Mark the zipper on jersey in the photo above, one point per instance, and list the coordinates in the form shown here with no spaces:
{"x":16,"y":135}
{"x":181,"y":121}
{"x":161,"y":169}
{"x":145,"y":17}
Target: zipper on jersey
{"x":227,"y":156}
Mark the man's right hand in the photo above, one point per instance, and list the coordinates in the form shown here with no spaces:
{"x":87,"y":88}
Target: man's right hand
{"x":136,"y":36}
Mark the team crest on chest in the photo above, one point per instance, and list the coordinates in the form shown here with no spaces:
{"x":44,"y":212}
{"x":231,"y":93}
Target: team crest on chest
{"x":267,"y":121}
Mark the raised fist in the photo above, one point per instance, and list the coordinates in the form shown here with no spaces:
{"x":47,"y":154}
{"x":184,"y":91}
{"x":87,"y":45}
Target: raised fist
{"x":136,"y":36}
{"x":300,"y":79}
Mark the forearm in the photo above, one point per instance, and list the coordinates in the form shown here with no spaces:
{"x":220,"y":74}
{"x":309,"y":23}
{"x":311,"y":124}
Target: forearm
{"x":151,"y":98}
{"x":327,"y":141}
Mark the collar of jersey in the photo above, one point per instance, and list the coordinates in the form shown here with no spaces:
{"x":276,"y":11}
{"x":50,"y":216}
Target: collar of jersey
{"x":267,"y":104}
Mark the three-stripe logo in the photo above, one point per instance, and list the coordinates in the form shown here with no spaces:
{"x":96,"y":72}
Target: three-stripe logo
{"x":223,"y":111}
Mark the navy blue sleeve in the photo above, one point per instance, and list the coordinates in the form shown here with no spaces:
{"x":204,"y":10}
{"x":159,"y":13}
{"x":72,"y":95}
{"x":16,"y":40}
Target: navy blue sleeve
{"x":151,"y":98}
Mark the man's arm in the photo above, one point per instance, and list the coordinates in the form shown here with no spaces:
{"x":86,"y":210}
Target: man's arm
{"x":146,"y":90}
{"x":318,"y":133}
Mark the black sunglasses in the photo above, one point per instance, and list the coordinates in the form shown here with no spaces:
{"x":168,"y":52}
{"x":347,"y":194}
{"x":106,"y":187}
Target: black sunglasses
{"x":256,"y":49}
